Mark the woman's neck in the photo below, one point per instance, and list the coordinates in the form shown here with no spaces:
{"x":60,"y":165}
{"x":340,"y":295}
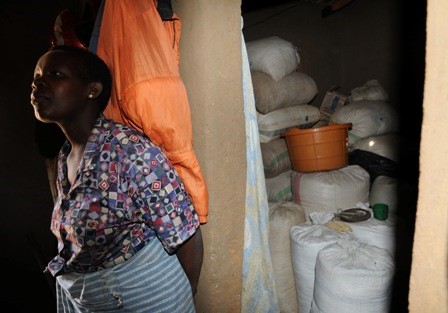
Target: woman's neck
{"x":78,"y":132}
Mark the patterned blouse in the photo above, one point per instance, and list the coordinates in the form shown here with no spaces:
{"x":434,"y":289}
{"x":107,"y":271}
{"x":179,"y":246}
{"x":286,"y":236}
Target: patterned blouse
{"x":125,"y":194}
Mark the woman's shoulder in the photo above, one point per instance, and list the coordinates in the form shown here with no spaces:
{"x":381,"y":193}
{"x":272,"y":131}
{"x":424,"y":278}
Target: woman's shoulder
{"x":126,"y":136}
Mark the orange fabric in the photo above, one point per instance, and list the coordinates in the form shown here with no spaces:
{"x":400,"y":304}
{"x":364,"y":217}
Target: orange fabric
{"x":149,"y":94}
{"x":173,"y":29}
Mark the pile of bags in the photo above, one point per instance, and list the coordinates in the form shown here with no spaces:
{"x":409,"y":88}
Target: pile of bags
{"x":334,"y":271}
{"x":374,"y":140}
{"x":282,"y":93}
{"x":318,"y":268}
{"x":282,"y":96}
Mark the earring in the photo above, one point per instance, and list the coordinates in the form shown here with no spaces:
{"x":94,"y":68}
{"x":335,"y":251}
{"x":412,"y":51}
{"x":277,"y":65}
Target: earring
{"x":90,"y":96}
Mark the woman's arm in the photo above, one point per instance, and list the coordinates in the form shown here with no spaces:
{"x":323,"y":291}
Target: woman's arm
{"x":190,"y":256}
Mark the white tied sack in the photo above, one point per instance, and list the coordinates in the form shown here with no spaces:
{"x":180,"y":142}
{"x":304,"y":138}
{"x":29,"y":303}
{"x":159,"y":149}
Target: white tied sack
{"x":278,"y":188}
{"x":307,"y":240}
{"x":387,"y":146}
{"x":331,"y":190}
{"x":368,"y":118}
{"x":385,"y":189}
{"x":282,"y":216}
{"x":273,"y":124}
{"x":270,"y":95}
{"x":377,"y":233}
{"x":275,"y":156}
{"x":352,"y":278}
{"x":371,"y":90}
{"x":274,"y":56}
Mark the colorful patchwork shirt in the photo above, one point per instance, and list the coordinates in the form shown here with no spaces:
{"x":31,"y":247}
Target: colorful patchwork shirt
{"x":125,"y":194}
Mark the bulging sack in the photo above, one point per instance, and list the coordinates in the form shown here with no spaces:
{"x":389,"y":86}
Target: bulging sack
{"x":283,"y":216}
{"x":275,"y":123}
{"x":274,"y":56}
{"x":270,"y":95}
{"x":368,"y":118}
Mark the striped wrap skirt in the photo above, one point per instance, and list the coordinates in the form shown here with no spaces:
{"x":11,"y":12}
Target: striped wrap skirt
{"x":150,"y":282}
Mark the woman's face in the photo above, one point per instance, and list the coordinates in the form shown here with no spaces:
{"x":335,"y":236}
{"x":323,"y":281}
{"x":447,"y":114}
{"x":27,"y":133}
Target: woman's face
{"x":59,"y":93}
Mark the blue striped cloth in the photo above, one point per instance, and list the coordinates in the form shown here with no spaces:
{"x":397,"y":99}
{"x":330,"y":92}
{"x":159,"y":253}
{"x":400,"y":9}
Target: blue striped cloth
{"x":151,"y":281}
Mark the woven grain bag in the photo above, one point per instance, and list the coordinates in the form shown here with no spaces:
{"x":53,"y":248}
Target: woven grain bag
{"x":270,"y":95}
{"x":275,"y":157}
{"x":273,"y":55}
{"x":351,"y":277}
{"x":283,"y":216}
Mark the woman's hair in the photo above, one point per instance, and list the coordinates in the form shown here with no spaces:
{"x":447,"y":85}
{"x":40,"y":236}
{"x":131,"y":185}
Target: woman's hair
{"x":93,"y":68}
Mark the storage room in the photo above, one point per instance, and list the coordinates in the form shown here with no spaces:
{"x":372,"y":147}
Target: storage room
{"x":338,"y":89}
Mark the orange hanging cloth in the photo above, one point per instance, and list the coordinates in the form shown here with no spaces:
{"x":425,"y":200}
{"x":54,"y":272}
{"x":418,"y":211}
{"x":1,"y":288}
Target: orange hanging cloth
{"x":148,"y":93}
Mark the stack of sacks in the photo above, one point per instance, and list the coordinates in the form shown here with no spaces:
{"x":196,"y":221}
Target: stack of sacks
{"x":369,"y":112}
{"x":282,"y":94}
{"x":374,"y":141}
{"x":342,"y":267}
{"x":283,"y":216}
{"x":282,"y":97}
{"x":307,"y":239}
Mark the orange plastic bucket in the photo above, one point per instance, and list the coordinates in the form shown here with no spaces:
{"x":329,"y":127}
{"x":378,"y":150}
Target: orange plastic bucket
{"x":318,"y":149}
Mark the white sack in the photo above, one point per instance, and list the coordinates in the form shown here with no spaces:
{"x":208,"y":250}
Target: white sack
{"x":371,"y":90}
{"x":387,"y":146}
{"x":377,"y":233}
{"x":275,"y":157}
{"x":283,"y":216}
{"x":368,"y":118}
{"x":270,"y":95}
{"x":331,"y":190}
{"x":278,"y":188}
{"x":273,"y":124}
{"x":306,"y":241}
{"x":385,"y":189}
{"x":274,"y":56}
{"x":352,"y":278}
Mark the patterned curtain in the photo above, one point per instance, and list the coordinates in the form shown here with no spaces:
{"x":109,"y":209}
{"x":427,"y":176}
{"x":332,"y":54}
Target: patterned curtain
{"x":259,"y":294}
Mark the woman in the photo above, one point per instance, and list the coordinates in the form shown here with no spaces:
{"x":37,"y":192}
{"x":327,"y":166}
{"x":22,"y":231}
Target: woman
{"x":128,"y":236}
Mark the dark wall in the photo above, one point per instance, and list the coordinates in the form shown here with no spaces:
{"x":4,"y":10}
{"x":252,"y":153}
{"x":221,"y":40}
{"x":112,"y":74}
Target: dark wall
{"x":345,"y":49}
{"x":26,"y":242}
{"x":254,"y":5}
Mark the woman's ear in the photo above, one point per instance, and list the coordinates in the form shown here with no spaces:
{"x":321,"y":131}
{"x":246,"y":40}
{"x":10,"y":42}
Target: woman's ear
{"x":95,"y":89}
